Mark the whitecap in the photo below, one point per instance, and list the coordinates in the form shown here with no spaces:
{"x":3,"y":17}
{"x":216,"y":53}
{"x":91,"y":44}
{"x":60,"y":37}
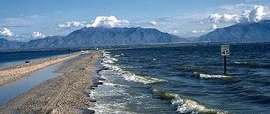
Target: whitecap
{"x":141,"y":79}
{"x":208,"y":76}
{"x":186,"y":105}
{"x":129,"y":76}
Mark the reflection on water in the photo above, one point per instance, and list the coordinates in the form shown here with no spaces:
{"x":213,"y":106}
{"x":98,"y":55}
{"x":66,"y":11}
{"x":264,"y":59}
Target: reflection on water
{"x":18,"y":87}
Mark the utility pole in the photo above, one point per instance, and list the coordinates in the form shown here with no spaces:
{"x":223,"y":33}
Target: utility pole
{"x":225,"y":51}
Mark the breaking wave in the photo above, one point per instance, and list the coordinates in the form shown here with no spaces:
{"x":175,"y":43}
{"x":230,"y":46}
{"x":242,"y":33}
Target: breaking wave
{"x":185,"y":105}
{"x":251,"y":64}
{"x":208,"y":76}
{"x":129,"y":76}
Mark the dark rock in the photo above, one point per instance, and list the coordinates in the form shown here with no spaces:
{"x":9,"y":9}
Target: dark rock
{"x":90,"y":87}
{"x":87,"y":111}
{"x":102,"y":79}
{"x":27,"y":61}
{"x":100,"y":83}
{"x":91,"y":99}
{"x":94,"y":85}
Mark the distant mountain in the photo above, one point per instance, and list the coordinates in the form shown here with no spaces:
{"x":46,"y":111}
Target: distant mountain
{"x":89,"y":37}
{"x":7,"y":45}
{"x":48,"y":42}
{"x":240,"y":33}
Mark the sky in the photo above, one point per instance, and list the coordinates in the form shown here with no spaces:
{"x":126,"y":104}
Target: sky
{"x":25,"y":20}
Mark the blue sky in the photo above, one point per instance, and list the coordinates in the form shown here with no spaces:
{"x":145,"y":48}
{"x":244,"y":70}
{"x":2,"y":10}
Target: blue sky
{"x":30,"y":19}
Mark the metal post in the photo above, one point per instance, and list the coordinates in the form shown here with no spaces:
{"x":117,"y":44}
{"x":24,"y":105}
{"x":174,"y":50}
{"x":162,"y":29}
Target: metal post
{"x":225,"y":66}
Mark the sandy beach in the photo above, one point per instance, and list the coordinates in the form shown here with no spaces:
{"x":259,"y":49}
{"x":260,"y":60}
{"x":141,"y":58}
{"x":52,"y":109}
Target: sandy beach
{"x":64,"y":94}
{"x":13,"y":73}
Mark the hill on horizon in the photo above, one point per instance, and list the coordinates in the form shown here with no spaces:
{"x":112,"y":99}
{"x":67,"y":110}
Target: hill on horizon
{"x":99,"y":36}
{"x":239,"y":33}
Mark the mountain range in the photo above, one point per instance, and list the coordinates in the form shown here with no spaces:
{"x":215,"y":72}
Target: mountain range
{"x":100,"y":36}
{"x":240,"y":33}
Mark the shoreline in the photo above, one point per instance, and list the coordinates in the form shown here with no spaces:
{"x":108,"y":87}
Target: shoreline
{"x":13,"y":73}
{"x":64,"y":94}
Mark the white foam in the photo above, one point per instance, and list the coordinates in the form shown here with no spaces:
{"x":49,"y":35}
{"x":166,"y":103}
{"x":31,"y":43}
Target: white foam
{"x":117,"y":55}
{"x":191,"y":106}
{"x":240,"y":62}
{"x":208,"y":76}
{"x":114,"y":85}
{"x":213,"y":76}
{"x":115,"y":108}
{"x":141,"y":79}
{"x":126,"y":74}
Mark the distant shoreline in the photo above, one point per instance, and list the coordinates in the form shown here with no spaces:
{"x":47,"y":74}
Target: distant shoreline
{"x":176,"y":44}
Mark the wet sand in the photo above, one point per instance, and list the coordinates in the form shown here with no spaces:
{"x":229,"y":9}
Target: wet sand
{"x":64,"y":94}
{"x":10,"y":74}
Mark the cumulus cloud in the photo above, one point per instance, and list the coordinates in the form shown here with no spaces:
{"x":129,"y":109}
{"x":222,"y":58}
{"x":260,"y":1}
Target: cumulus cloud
{"x":153,"y":23}
{"x":38,"y":35}
{"x":254,"y":15}
{"x":99,"y":21}
{"x":107,"y":21}
{"x":194,"y":31}
{"x":223,"y":18}
{"x":257,"y":13}
{"x":197,"y":31}
{"x":175,"y":32}
{"x":5,"y":32}
{"x":213,"y":27}
{"x":70,"y":24}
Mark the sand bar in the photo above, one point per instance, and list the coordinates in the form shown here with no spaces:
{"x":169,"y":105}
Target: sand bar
{"x":61,"y":95}
{"x":13,"y":73}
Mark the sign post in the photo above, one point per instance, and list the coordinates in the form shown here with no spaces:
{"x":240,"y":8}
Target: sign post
{"x":225,"y":51}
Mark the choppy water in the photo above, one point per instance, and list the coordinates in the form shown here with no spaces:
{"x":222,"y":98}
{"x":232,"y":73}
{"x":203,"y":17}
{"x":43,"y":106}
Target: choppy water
{"x":185,"y":80}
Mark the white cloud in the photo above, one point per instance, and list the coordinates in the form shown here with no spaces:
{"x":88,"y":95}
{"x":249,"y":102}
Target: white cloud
{"x":213,"y":27}
{"x":99,"y":21}
{"x":38,"y":35}
{"x":107,"y":21}
{"x":175,"y":32}
{"x":257,"y":13}
{"x":153,"y":23}
{"x":224,"y":18}
{"x":198,"y":31}
{"x":70,"y":24}
{"x":254,"y":15}
{"x":194,"y":31}
{"x":6,"y":32}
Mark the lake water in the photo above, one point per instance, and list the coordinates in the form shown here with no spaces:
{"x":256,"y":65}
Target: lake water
{"x":187,"y":79}
{"x":14,"y":58}
{"x":23,"y":85}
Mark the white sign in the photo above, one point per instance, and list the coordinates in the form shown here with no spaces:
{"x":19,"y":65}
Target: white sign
{"x":225,"y":50}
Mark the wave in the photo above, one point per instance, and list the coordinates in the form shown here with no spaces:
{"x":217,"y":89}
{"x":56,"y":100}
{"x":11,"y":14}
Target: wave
{"x":127,"y":75}
{"x":141,"y":79}
{"x":185,"y":105}
{"x":107,"y":58}
{"x":252,"y":64}
{"x":114,"y":85}
{"x":245,"y":63}
{"x":208,"y":76}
